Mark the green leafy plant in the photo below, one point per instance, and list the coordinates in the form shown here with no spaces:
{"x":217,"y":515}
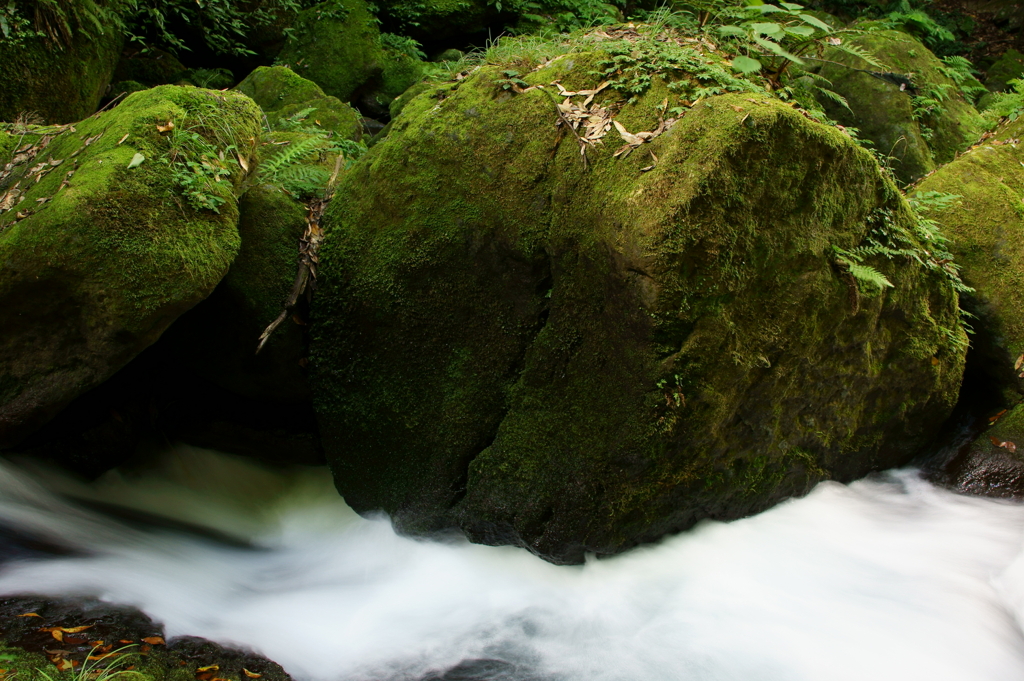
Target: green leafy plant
{"x":510,"y":80}
{"x":402,"y":45}
{"x":633,"y":63}
{"x":297,"y":168}
{"x":92,"y":670}
{"x":925,"y":244}
{"x":567,"y":15}
{"x":1009,"y":105}
{"x":961,"y":71}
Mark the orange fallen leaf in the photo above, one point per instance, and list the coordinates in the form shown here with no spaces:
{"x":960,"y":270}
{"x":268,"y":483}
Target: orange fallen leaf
{"x":153,"y":640}
{"x":1019,"y":363}
{"x":935,"y":361}
{"x":993,"y":419}
{"x":1005,"y":444}
{"x":210,"y":668}
{"x":30,"y":614}
{"x":64,"y":665}
{"x":75,"y":630}
{"x":123,"y":640}
{"x":251,"y":675}
{"x":165,"y":127}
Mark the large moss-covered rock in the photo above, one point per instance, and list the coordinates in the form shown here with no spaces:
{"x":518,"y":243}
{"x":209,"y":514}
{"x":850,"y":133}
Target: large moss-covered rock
{"x":985,"y":223}
{"x":337,"y":46}
{"x":580,"y":356}
{"x":920,"y":127}
{"x":293,"y":102}
{"x":54,"y":84}
{"x":99,"y":257}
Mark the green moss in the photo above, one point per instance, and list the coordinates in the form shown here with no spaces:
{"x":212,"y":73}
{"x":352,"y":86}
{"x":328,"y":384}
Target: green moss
{"x":99,"y":257}
{"x":399,"y":102}
{"x":57,"y":85}
{"x":400,"y":73}
{"x":277,"y":87}
{"x":986,"y":226}
{"x":338,"y":54}
{"x":581,"y":357}
{"x":327,"y":114}
{"x":1005,"y":69}
{"x":919,"y":137}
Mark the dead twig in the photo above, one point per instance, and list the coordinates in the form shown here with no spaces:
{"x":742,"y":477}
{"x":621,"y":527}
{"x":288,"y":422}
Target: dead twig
{"x":309,"y":255}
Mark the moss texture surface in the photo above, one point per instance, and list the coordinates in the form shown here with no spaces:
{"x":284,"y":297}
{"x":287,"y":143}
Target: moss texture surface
{"x":57,"y":85}
{"x":579,"y":359}
{"x":284,"y":95}
{"x":337,"y":46}
{"x":918,"y":141}
{"x":986,"y":227}
{"x":100,"y":258}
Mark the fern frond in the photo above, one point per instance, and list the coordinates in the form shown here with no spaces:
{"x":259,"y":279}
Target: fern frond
{"x":288,"y":156}
{"x":861,"y":53}
{"x":835,"y":97}
{"x":865,"y":274}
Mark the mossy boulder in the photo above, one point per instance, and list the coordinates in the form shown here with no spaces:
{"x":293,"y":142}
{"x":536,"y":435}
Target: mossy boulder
{"x":99,"y":257}
{"x":292,"y":102}
{"x":276,"y":87}
{"x":921,"y":126}
{"x":1008,"y":67}
{"x":580,"y":356}
{"x":57,"y":85}
{"x":985,"y":225}
{"x":337,"y":46}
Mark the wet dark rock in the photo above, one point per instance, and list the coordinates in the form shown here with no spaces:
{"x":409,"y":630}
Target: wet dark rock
{"x":117,"y":624}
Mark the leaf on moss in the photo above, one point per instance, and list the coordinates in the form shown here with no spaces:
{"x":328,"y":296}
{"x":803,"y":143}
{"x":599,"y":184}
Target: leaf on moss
{"x":136,"y":161}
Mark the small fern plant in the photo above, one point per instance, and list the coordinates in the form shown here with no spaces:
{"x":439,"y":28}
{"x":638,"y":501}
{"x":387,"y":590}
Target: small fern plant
{"x":295,"y":167}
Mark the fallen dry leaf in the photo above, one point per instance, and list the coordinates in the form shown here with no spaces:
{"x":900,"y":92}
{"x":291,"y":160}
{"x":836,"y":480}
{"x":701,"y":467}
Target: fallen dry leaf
{"x":993,"y":419}
{"x":152,"y":640}
{"x":165,"y":127}
{"x":251,"y":675}
{"x":121,"y":141}
{"x":30,"y":614}
{"x":210,"y":668}
{"x":1005,"y":444}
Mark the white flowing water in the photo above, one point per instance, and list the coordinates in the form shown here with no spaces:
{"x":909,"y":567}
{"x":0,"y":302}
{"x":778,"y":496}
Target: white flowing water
{"x":889,"y":578}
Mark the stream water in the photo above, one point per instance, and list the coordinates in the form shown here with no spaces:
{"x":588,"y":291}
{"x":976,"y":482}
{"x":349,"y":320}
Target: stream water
{"x":887,"y":578}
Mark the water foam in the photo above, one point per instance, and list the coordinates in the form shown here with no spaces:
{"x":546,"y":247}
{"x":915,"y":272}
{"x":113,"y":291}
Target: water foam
{"x":890,"y":578}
